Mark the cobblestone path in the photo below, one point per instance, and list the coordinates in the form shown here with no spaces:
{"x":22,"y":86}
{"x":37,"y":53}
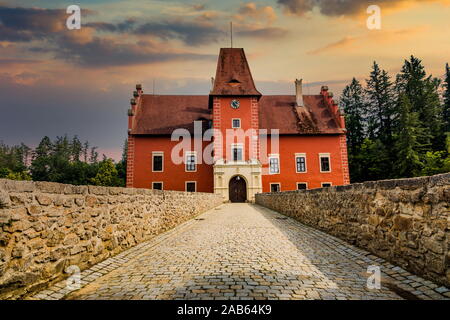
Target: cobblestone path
{"x":244,"y":251}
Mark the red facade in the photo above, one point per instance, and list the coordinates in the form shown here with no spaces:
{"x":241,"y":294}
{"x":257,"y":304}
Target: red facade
{"x":275,"y":143}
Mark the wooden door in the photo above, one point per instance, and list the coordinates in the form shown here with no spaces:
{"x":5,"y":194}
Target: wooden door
{"x":237,"y":189}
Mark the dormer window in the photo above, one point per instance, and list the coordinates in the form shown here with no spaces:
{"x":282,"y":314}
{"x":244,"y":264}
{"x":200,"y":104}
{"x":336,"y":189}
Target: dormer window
{"x":234,"y":83}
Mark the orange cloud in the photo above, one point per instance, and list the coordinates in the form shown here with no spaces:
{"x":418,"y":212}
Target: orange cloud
{"x":343,"y":43}
{"x":374,"y":37}
{"x":251,"y":10}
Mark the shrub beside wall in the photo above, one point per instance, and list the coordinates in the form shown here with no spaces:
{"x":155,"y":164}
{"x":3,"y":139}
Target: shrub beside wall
{"x":45,"y":227}
{"x":405,"y":221}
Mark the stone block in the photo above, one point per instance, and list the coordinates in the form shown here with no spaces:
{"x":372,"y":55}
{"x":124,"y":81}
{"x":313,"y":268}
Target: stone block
{"x":5,"y":200}
{"x":50,"y":187}
{"x":5,"y":216}
{"x":98,"y":190}
{"x":44,"y":200}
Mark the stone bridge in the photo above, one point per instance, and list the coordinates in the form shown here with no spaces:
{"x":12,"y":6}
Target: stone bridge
{"x":143,"y":244}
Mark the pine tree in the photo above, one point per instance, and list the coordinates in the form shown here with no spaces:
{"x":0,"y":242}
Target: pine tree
{"x":41,"y":163}
{"x":381,"y":105}
{"x":408,"y":140}
{"x":93,"y":157}
{"x":422,"y":93}
{"x":380,"y":114}
{"x":446,"y":109}
{"x":76,"y":149}
{"x":353,"y":104}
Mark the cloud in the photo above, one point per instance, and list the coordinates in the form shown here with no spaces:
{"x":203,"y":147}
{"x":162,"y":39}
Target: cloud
{"x":191,"y":33}
{"x":26,"y":24}
{"x":87,"y":47}
{"x":383,"y":36}
{"x":18,"y":61}
{"x":344,"y":7}
{"x":199,"y":7}
{"x":346,"y":41}
{"x":124,"y":26}
{"x":251,"y":10}
{"x":107,"y":52}
{"x":264,"y":33}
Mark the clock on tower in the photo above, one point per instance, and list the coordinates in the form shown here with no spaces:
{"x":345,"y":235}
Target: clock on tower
{"x":235,"y":104}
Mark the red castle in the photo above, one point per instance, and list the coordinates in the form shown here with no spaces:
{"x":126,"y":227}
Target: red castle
{"x":258,"y":143}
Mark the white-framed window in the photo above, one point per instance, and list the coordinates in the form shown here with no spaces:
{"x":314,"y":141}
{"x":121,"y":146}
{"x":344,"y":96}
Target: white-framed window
{"x":191,"y":186}
{"x":158,"y":161}
{"x":237,"y":152}
{"x":235,"y":123}
{"x":275,"y":187}
{"x":326,"y":184}
{"x":158,"y":185}
{"x":325,"y":162}
{"x":300,"y":162}
{"x":274,"y":163}
{"x":191,"y":161}
{"x":302,"y":185}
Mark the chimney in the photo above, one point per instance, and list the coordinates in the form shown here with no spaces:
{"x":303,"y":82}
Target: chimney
{"x":299,"y":93}
{"x":139,"y":89}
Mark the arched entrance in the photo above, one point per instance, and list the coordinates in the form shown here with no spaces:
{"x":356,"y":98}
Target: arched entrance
{"x":237,"y":189}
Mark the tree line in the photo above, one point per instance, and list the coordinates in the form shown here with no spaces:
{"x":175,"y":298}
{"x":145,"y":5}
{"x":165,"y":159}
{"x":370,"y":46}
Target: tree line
{"x":398,"y":128}
{"x":63,"y":160}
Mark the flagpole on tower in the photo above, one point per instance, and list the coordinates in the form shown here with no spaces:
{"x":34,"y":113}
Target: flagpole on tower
{"x":231,"y":33}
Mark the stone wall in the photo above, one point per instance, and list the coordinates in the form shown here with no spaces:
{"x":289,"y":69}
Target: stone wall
{"x":404,"y":221}
{"x":46,"y":227}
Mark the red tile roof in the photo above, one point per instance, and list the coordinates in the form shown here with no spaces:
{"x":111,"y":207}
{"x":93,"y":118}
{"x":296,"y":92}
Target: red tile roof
{"x":233,"y":76}
{"x":280,"y":112}
{"x":161,"y":114}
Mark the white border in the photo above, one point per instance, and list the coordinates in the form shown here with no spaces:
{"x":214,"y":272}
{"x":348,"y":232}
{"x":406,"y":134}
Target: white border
{"x":162,"y":185}
{"x":297,"y":155}
{"x":297,"y":183}
{"x":185,"y":185}
{"x":271,"y":183}
{"x":273,"y":156}
{"x":324,"y":155}
{"x":240,"y":123}
{"x":238,"y":146}
{"x":190,"y":153}
{"x":158,"y":153}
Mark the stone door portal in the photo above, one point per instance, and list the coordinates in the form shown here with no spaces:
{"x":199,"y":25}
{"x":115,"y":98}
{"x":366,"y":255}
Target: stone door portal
{"x":237,"y":189}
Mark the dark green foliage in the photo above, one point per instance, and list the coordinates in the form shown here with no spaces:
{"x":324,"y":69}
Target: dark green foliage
{"x":381,"y":105}
{"x":407,"y":144}
{"x":63,"y":160}
{"x":446,"y":109}
{"x":13,"y":161}
{"x":405,"y":125}
{"x":354,"y":106}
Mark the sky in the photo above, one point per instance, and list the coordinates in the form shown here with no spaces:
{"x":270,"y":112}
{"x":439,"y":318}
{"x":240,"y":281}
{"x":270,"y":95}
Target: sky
{"x":55,"y":81}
